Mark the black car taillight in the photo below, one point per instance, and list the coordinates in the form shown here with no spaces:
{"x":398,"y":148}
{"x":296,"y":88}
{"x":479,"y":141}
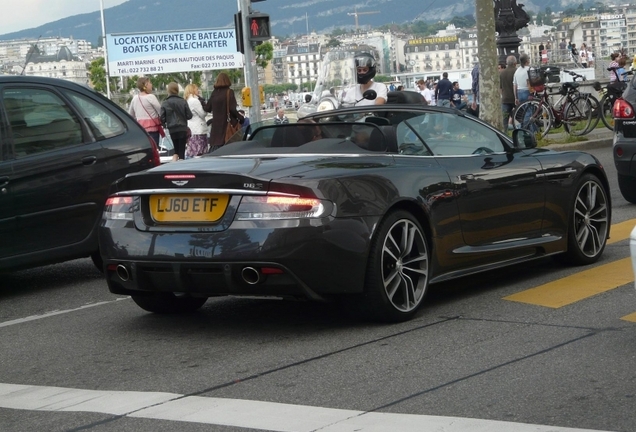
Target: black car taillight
{"x":622,"y":109}
{"x":119,"y":208}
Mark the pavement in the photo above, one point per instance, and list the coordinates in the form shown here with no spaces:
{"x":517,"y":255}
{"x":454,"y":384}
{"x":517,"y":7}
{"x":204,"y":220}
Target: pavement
{"x":599,"y":137}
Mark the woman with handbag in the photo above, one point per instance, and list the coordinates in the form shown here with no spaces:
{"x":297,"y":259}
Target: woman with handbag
{"x":145,"y":108}
{"x":175,"y":114}
{"x":222,"y":105}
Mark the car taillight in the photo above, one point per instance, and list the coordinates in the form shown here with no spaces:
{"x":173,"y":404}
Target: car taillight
{"x":156,"y":159}
{"x":271,"y":207}
{"x":119,"y":208}
{"x":622,"y":109}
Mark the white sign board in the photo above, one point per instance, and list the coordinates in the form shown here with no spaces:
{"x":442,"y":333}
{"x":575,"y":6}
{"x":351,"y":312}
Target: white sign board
{"x":174,"y":51}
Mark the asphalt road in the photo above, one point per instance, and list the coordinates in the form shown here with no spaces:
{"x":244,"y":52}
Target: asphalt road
{"x":75,"y":357}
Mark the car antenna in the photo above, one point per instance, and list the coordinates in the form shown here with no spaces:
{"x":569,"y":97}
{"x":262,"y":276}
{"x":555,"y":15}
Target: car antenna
{"x":26,"y":62}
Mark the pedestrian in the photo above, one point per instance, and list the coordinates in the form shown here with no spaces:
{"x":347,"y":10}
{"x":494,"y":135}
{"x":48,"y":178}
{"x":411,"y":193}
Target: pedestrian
{"x":222,"y":104}
{"x":198,"y":142}
{"x":365,"y":65}
{"x":506,"y":80}
{"x":458,"y":97}
{"x":613,"y":64}
{"x":521,"y":85}
{"x":280,"y":117}
{"x":175,"y":113}
{"x":541,"y":49}
{"x":246,"y":122}
{"x":583,"y":55}
{"x":425,"y":91}
{"x":574,"y":54}
{"x":145,"y":108}
{"x":443,"y":91}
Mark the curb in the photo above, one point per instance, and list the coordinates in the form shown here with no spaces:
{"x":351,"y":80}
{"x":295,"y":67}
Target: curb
{"x":597,"y":142}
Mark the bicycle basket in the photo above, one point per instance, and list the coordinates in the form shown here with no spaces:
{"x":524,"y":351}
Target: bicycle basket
{"x":616,"y":88}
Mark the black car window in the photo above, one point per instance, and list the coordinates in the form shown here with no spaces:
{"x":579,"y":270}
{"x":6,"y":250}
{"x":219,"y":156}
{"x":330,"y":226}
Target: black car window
{"x":445,"y":134}
{"x":102,"y":123}
{"x":39,"y":121}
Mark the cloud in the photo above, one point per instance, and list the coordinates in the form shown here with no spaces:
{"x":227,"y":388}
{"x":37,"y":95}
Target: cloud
{"x":28,"y":14}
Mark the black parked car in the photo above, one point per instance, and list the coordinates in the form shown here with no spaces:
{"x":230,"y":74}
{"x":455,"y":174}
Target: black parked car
{"x":370,"y":204}
{"x":625,"y":141}
{"x":61,"y":147}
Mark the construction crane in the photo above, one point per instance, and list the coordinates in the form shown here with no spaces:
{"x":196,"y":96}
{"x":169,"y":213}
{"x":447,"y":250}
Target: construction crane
{"x":356,"y":13}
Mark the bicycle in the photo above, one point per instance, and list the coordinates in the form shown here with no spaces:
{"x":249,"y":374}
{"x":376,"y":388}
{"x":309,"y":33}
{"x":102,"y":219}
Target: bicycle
{"x":609,"y":94}
{"x":574,"y":110}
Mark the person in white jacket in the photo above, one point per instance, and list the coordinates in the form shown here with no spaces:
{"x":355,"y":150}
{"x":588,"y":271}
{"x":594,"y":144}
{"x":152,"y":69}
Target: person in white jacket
{"x":198,"y":142}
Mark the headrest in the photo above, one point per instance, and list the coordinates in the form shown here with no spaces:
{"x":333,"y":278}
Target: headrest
{"x":405,"y":97}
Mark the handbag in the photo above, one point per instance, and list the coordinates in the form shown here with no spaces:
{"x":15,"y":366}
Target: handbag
{"x":162,"y":133}
{"x":233,"y":125}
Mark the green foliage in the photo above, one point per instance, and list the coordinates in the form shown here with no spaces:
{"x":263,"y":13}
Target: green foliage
{"x":279,"y":88}
{"x":333,"y":42}
{"x":264,"y":53}
{"x":97,"y":75}
{"x":466,"y":21}
{"x":382,"y":78}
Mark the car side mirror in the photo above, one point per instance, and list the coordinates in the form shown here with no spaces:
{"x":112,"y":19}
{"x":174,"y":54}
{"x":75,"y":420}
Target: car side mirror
{"x":523,"y":139}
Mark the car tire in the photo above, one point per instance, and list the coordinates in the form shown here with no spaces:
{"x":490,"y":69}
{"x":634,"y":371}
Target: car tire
{"x":168,"y":303}
{"x":589,"y":222}
{"x":397,"y":269}
{"x":627,"y":186}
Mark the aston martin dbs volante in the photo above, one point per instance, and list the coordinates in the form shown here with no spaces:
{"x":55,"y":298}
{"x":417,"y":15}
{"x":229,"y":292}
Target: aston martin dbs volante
{"x":369,"y":204}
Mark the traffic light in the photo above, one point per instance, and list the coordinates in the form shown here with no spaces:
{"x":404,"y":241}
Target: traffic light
{"x":246,"y":95}
{"x":259,"y":27}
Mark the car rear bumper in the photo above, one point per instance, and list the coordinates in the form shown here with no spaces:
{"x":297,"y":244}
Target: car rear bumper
{"x":294,"y":261}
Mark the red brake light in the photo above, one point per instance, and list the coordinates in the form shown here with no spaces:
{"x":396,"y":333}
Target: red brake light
{"x":156,"y":159}
{"x":622,"y":109}
{"x":111,"y":201}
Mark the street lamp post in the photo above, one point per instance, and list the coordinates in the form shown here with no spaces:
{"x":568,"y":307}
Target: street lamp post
{"x":101,"y":6}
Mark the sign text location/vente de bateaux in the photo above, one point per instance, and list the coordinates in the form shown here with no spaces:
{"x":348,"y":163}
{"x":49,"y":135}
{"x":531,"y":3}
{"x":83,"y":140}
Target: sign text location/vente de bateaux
{"x":172,"y":51}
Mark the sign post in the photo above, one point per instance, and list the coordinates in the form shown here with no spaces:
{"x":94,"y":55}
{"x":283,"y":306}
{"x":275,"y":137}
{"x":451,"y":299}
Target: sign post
{"x":251,"y":73}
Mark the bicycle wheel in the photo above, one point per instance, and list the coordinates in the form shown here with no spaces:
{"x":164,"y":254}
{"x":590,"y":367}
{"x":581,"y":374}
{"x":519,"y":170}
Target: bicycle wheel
{"x":533,"y":116}
{"x":577,"y":116}
{"x":596,"y":112}
{"x":607,"y":105}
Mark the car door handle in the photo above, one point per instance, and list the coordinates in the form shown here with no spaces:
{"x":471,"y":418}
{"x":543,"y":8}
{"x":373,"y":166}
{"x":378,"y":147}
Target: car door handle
{"x":89,"y":160}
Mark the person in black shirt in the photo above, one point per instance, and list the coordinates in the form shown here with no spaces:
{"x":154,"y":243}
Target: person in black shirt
{"x":443,"y":91}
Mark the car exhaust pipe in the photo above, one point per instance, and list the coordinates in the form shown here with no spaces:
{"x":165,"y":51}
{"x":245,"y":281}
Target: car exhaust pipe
{"x":251,"y":276}
{"x":122,"y":272}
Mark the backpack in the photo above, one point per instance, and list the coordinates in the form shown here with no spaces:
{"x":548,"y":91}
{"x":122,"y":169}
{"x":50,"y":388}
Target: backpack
{"x":536,"y":77}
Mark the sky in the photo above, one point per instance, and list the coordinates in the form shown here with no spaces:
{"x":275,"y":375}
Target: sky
{"x":25,"y":14}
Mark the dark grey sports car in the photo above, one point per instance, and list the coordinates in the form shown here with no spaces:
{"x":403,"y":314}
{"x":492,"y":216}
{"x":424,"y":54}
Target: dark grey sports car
{"x":370,"y":203}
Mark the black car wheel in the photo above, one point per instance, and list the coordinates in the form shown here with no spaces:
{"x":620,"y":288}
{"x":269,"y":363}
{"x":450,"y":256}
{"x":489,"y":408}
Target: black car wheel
{"x":397,"y":271}
{"x":627,"y":185}
{"x":589,"y":222}
{"x":168,"y":303}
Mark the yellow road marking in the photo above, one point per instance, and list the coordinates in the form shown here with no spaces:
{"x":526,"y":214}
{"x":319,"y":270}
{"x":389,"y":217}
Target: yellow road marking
{"x":587,"y":283}
{"x":621,"y":231}
{"x":578,"y":286}
{"x":631,"y":317}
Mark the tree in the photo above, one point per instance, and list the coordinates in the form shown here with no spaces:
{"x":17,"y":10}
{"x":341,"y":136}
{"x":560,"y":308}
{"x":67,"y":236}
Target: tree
{"x":490,"y":102}
{"x":264,"y":53}
{"x":97,"y":75}
{"x":333,"y":42}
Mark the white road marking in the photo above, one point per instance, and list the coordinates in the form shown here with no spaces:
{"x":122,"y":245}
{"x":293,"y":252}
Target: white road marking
{"x":270,"y":416}
{"x":56,"y":312}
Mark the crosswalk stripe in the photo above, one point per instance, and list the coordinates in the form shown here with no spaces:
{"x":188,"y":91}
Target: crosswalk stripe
{"x":271,"y":416}
{"x":578,"y":286}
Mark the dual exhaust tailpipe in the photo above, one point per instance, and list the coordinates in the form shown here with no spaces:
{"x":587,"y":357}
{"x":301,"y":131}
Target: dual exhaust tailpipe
{"x":250,"y":275}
